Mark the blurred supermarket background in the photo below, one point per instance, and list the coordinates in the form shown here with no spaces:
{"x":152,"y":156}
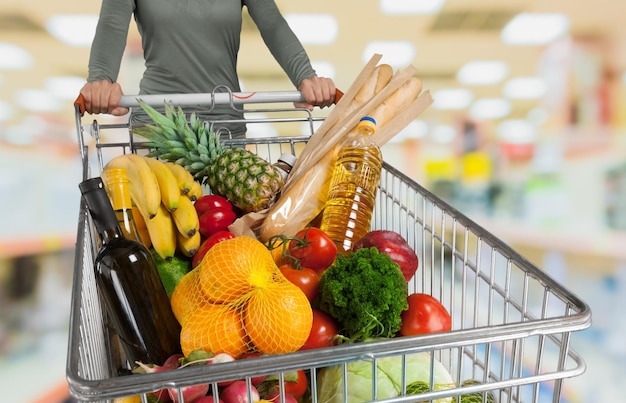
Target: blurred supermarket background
{"x":527,"y":136}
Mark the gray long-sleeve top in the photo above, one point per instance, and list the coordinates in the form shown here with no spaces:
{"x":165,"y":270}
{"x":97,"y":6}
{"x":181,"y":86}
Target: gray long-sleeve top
{"x":191,"y":46}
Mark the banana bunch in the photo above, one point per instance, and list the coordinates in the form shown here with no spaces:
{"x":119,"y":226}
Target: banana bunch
{"x":163,"y":194}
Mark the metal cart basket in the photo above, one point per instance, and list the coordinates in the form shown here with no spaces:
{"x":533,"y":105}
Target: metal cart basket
{"x":512,"y":323}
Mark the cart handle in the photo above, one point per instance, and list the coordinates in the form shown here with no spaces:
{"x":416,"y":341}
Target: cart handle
{"x":216,"y":98}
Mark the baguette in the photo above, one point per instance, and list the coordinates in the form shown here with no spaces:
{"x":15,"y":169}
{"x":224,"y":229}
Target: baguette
{"x":397,"y":101}
{"x":304,"y":199}
{"x":383,"y":95}
{"x":318,"y":144}
{"x":372,"y":86}
{"x":300,"y":204}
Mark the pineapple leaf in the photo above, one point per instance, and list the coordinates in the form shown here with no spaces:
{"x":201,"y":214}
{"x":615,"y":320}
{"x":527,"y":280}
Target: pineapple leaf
{"x":195,"y":122}
{"x":191,"y":142}
{"x":158,"y":118}
{"x":203,"y":137}
{"x":197,"y":166}
{"x":194,"y":157}
{"x":174,"y":144}
{"x":170,"y":111}
{"x":205,"y":159}
{"x":203,"y":150}
{"x":180,"y":120}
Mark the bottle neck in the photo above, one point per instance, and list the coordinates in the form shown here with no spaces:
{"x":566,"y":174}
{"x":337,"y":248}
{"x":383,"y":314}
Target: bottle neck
{"x":107,"y":235}
{"x":100,"y":209}
{"x":363,"y":135}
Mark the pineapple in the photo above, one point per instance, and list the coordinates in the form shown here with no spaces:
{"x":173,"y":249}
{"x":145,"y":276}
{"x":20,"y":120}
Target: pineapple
{"x":248,"y":181}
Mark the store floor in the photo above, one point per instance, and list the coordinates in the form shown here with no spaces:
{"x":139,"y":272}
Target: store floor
{"x":33,"y":333}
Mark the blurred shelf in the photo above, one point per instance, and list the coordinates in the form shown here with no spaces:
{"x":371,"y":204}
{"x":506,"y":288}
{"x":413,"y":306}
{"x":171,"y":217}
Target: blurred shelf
{"x":31,"y":246}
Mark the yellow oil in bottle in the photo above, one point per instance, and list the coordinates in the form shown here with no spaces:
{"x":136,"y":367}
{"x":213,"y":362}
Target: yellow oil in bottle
{"x":352,"y":193}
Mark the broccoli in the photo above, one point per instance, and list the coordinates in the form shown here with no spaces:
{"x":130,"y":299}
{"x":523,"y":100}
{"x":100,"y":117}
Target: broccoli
{"x":365,"y":291}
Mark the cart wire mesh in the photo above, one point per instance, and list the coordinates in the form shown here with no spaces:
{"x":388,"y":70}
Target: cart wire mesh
{"x":511,"y":322}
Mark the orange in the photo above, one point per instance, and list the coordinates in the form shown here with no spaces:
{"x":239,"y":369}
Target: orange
{"x":234,"y":267}
{"x":278,"y":318}
{"x":214,"y":328}
{"x":187,"y":296}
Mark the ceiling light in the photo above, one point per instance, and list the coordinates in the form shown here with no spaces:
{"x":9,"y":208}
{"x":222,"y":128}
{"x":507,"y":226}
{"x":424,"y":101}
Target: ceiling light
{"x":443,"y":134}
{"x":314,"y":29}
{"x":452,"y":99}
{"x":485,"y":72}
{"x":394,"y":53}
{"x":73,"y":29}
{"x":324,"y":69}
{"x":516,"y":131}
{"x":6,"y":111}
{"x":535,"y":28}
{"x":35,"y":100}
{"x":490,"y":108}
{"x":399,"y":7}
{"x":524,"y":88}
{"x":13,"y":57}
{"x":65,"y":87}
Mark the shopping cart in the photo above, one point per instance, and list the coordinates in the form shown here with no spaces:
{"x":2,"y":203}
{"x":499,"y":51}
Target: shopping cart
{"x":512,"y":323}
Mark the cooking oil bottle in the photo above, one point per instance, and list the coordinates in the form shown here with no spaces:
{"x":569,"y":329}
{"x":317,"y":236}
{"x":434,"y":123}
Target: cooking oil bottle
{"x":348,"y":210}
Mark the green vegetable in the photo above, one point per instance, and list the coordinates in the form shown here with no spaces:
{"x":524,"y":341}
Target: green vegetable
{"x":171,"y":270}
{"x":417,"y":387}
{"x":478,"y":396}
{"x":388,"y":375}
{"x":365,"y":292}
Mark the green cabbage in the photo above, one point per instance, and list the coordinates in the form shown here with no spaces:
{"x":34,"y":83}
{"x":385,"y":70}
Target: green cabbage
{"x":389,"y":378}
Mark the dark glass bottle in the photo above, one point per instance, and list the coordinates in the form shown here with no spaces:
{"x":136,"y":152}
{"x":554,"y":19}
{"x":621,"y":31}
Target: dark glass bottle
{"x":130,"y":287}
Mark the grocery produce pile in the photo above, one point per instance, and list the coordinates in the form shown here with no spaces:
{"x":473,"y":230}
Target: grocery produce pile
{"x":247,"y":271}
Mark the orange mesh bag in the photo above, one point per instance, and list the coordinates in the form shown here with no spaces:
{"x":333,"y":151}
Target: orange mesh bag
{"x":187,"y":296}
{"x":238,"y":301}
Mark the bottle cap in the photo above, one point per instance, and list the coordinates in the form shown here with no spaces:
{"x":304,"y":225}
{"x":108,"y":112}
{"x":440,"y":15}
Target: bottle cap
{"x":368,"y":118}
{"x":89,"y":185}
{"x":288,"y":159}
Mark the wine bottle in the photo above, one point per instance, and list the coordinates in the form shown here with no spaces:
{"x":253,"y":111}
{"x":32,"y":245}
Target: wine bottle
{"x":129,"y":286}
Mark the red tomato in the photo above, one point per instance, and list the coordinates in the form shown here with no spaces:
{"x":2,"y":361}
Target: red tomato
{"x":210,"y":202}
{"x":208,"y":243}
{"x":306,"y":279}
{"x":425,"y":315}
{"x":214,"y":220}
{"x":323,"y":330}
{"x":316,"y":250}
{"x":297,"y":389}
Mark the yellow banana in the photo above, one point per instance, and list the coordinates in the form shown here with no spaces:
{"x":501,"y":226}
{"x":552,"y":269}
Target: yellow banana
{"x":142,"y":230}
{"x":183,"y":176}
{"x":189,"y":246}
{"x":185,"y":218}
{"x":168,"y":184}
{"x":195,"y":192}
{"x":162,"y":233}
{"x":143,"y":184}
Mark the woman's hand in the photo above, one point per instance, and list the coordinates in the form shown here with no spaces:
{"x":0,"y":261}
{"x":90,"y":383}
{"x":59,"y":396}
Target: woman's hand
{"x":317,"y":91}
{"x":103,"y":97}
